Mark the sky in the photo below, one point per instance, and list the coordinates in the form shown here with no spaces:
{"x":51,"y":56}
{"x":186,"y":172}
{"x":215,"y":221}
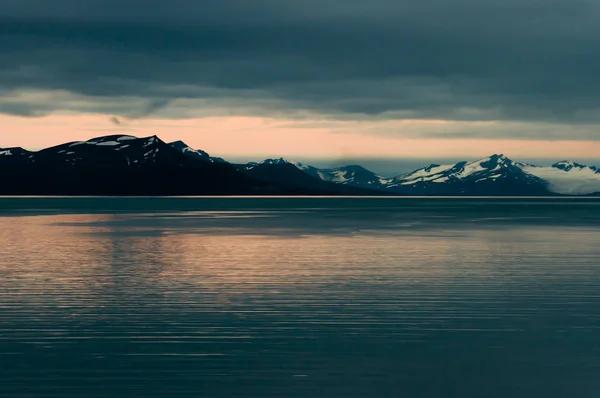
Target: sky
{"x":402,"y":80}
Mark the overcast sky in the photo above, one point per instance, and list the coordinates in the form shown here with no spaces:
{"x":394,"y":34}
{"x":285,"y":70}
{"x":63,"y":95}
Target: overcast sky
{"x":324,"y":78}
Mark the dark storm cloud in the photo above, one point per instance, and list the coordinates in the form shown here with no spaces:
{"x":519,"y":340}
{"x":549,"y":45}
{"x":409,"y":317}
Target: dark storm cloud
{"x":454,"y":59}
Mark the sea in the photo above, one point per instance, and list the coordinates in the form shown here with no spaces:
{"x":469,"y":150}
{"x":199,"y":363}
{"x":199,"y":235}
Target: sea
{"x":299,"y":297}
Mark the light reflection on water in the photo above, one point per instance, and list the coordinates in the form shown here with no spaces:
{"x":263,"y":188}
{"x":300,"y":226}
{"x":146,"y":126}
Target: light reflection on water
{"x":300,"y":303}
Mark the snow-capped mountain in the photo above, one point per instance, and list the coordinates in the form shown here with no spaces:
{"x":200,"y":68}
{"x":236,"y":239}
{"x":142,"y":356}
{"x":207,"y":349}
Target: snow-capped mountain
{"x":280,"y":170}
{"x":494,"y":175}
{"x":295,"y":174}
{"x":567,"y":178}
{"x":567,"y":165}
{"x":268,"y":162}
{"x":492,"y":168}
{"x":189,"y":151}
{"x":123,"y":164}
{"x":195,"y":153}
{"x":352,"y":175}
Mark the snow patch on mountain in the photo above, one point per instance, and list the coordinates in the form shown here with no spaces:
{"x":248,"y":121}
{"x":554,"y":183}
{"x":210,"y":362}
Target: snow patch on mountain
{"x":488,"y":165}
{"x":277,"y":161}
{"x":195,"y":153}
{"x":348,"y":175}
{"x":432,"y":173}
{"x":107,"y":143}
{"x":299,"y":165}
{"x":339,"y":176}
{"x":473,"y":168}
{"x":280,"y":161}
{"x":150,"y":141}
{"x":430,"y":170}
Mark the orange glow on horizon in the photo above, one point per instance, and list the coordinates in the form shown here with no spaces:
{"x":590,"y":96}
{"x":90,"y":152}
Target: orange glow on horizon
{"x":260,"y":137}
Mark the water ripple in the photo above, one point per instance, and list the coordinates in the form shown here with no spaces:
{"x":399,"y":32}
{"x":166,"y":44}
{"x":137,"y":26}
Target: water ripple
{"x":300,"y":302}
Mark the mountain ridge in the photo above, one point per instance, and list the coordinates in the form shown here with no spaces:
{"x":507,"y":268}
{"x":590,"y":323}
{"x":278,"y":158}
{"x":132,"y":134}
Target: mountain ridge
{"x":128,"y":165}
{"x":493,"y":175}
{"x":116,"y":159}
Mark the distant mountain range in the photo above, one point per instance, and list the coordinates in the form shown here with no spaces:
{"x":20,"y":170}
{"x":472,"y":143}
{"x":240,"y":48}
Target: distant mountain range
{"x":127,"y":165}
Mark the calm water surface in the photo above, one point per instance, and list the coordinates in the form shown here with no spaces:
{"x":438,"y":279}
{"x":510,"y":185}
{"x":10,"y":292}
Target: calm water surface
{"x":299,"y":297}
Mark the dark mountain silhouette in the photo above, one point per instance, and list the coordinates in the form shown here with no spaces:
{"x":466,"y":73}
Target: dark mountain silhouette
{"x":127,"y":165}
{"x":286,"y":174}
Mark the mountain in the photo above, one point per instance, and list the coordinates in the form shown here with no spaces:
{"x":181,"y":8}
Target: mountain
{"x":118,"y":165}
{"x":494,"y":175}
{"x":110,"y":152}
{"x":352,"y":175}
{"x":567,"y":165}
{"x":128,"y":165}
{"x":195,"y":153}
{"x":14,"y":156}
{"x":296,"y":175}
{"x":567,"y":178}
{"x":188,"y":151}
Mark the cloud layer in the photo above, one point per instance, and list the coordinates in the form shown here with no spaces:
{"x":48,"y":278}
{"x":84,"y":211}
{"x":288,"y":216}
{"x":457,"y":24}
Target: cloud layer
{"x":469,"y":60}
